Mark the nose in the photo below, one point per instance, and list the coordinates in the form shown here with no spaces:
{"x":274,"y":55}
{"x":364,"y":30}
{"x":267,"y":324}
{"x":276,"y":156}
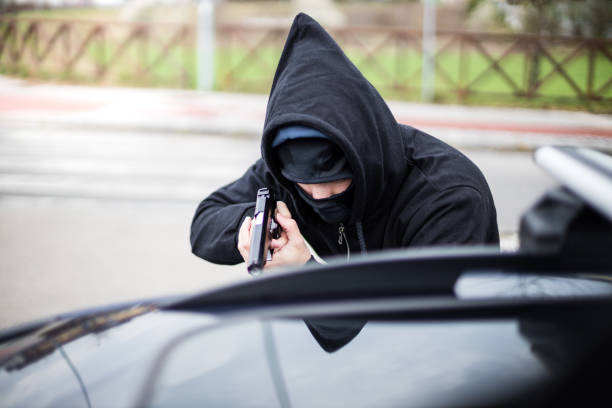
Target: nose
{"x":320,"y":191}
{"x":323,"y":190}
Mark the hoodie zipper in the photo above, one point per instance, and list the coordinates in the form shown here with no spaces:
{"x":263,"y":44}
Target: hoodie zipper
{"x":342,"y":239}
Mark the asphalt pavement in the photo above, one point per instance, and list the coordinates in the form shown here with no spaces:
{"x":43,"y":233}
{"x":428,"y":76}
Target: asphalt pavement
{"x":98,"y":185}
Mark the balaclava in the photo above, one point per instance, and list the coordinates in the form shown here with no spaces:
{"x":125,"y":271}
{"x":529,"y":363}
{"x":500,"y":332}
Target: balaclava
{"x":310,"y":157}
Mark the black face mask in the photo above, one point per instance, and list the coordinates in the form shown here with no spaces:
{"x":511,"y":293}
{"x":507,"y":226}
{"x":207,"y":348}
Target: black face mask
{"x":312,"y":161}
{"x":334,"y":209}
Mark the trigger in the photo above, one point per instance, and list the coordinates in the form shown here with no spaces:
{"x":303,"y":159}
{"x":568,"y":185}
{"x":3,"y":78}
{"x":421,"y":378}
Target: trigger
{"x":274,"y":229}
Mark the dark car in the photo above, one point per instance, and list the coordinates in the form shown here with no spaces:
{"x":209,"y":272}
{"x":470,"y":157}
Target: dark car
{"x":435,"y":327}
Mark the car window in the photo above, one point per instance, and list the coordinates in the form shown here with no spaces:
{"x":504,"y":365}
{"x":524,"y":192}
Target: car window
{"x":284,"y":362}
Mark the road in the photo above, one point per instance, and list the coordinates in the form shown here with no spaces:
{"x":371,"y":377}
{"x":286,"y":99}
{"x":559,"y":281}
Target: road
{"x":92,"y":217}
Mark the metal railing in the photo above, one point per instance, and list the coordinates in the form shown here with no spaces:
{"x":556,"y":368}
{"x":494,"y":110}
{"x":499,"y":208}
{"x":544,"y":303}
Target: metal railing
{"x":479,"y":67}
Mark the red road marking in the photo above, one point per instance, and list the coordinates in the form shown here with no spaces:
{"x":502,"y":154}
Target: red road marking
{"x":197,"y":111}
{"x":29,"y":103}
{"x":16,"y":103}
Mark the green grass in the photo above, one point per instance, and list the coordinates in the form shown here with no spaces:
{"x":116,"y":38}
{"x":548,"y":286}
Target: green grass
{"x":139,"y":65}
{"x":237,"y":71}
{"x":384,"y":73}
{"x":397,"y":76}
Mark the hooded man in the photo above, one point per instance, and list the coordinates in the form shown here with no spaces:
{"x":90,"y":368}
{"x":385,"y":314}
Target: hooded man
{"x":349,"y":177}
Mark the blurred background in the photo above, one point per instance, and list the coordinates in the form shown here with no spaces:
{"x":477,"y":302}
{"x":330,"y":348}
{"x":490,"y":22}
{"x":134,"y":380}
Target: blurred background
{"x":532,"y":53}
{"x":118,"y":116}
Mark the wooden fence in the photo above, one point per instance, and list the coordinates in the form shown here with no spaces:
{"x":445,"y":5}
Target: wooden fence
{"x":469,"y":66}
{"x":124,"y":53}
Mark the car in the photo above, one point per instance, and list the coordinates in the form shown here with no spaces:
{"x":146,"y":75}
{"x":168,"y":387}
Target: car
{"x":459,"y":327}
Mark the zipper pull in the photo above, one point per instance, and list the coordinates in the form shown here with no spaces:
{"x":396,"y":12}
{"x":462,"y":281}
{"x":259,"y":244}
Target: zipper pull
{"x":342,"y":239}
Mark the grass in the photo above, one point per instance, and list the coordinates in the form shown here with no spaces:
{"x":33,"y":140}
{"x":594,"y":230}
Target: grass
{"x":394,"y":75}
{"x":482,"y":79}
{"x":138,"y":65}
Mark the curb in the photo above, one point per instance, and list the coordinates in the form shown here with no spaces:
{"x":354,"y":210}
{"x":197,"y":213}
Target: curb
{"x":194,"y":113}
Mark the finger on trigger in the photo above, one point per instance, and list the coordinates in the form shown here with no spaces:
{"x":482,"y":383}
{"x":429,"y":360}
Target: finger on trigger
{"x":290,"y":227}
{"x":279,"y":242}
{"x":282,"y":208}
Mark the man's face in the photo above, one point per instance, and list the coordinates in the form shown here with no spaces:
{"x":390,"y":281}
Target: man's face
{"x":324,"y":190}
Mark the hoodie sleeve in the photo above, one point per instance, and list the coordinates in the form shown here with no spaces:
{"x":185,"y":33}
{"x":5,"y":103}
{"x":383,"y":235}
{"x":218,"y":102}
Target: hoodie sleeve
{"x":215,"y":225}
{"x":457,"y":216}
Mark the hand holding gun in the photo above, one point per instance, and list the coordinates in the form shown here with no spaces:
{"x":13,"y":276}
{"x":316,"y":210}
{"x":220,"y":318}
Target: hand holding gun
{"x":264,"y":229}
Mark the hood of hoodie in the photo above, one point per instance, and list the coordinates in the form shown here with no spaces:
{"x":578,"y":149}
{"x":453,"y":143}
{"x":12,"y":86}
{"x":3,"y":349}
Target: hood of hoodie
{"x":317,"y":86}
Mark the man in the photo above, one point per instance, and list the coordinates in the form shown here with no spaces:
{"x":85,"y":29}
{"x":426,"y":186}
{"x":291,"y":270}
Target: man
{"x":349,"y":177}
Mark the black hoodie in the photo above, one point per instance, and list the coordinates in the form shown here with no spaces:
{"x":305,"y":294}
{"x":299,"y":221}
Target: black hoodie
{"x":411,"y":189}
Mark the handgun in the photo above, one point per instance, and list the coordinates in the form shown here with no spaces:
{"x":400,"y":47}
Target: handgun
{"x":264,"y":229}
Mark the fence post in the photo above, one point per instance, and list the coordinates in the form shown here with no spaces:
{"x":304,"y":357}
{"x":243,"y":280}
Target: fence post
{"x":462,"y":89}
{"x":591,"y":70}
{"x":428,"y":71}
{"x":205,"y":45}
